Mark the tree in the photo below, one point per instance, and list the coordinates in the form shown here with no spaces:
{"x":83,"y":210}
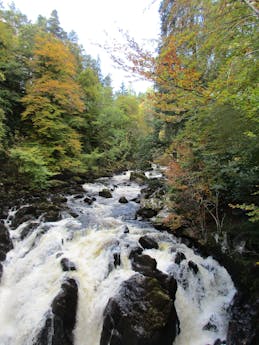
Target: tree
{"x":53,"y":103}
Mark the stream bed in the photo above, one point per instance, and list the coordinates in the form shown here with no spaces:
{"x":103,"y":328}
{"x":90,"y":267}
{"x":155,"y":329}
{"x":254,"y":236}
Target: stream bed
{"x":95,"y":245}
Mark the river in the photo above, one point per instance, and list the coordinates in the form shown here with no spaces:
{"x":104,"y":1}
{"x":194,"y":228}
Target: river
{"x":32,"y":274}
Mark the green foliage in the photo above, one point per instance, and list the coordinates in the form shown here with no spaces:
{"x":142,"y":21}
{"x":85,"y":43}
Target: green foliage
{"x":31,"y":162}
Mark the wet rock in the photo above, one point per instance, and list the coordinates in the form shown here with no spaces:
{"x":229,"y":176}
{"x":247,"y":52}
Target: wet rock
{"x":24,"y":214}
{"x":67,"y":265}
{"x":210,"y":327}
{"x":146,"y":212}
{"x":5,"y":240}
{"x":138,"y":176}
{"x":28,"y":229}
{"x":135,"y":251}
{"x":148,"y":242}
{"x":144,"y":264}
{"x":59,"y":326}
{"x":126,"y":230}
{"x":2,"y":255}
{"x":79,"y":196}
{"x":88,"y":200}
{"x":218,"y":342}
{"x":192,"y":265}
{"x":116,"y":259}
{"x":52,"y":215}
{"x":244,"y":324}
{"x":105,"y":193}
{"x":179,"y":257}
{"x":136,"y":200}
{"x":141,"y":314}
{"x":123,"y":200}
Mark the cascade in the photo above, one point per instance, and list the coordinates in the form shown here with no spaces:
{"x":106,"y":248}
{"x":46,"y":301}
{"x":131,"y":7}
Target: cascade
{"x":88,"y":245}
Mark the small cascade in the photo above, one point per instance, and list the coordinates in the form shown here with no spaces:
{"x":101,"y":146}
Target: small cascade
{"x":95,"y":247}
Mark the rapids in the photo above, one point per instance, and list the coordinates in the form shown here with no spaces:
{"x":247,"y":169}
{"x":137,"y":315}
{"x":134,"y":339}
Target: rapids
{"x":32,"y":273}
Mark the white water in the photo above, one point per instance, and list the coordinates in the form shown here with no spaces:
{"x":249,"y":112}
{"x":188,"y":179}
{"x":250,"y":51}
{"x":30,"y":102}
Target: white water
{"x":32,"y":273}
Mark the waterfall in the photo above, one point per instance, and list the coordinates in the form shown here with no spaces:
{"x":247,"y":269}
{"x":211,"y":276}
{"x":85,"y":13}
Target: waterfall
{"x":33,"y":274}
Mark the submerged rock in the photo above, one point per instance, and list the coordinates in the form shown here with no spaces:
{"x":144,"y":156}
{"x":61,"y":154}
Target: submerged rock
{"x":142,"y":313}
{"x":58,"y":328}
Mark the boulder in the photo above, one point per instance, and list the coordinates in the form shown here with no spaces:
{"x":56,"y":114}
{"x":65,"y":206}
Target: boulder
{"x":179,"y":257}
{"x":5,"y":240}
{"x":135,"y":251}
{"x":193,"y":266}
{"x":147,"y":212}
{"x":142,"y":313}
{"x":148,"y":243}
{"x":105,"y":193}
{"x":59,"y":325}
{"x":24,"y":214}
{"x":123,"y":200}
{"x":67,"y":265}
{"x":144,"y":264}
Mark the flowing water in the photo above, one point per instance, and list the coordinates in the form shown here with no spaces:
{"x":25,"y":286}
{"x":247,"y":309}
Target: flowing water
{"x":32,"y":273}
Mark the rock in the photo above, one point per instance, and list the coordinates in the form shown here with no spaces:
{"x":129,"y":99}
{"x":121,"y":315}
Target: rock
{"x":146,"y":212}
{"x":135,"y":251}
{"x":142,"y":313}
{"x":2,"y":255}
{"x":1,"y":271}
{"x":67,"y":265}
{"x":179,"y":258}
{"x":126,"y":230}
{"x":61,"y":322}
{"x":192,"y":265}
{"x":123,"y":200}
{"x":144,"y":264}
{"x":244,"y":324}
{"x":79,"y":196}
{"x":52,"y":215}
{"x":105,"y":193}
{"x":210,"y":327}
{"x":28,"y":229}
{"x":218,"y":342}
{"x":88,"y":200}
{"x":136,"y":200}
{"x":138,"y":176}
{"x":24,"y":214}
{"x":50,"y":212}
{"x":148,"y":242}
{"x":5,"y":240}
{"x":116,"y":259}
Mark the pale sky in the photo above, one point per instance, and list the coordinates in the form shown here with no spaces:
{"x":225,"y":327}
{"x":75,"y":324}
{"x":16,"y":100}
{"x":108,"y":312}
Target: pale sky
{"x":90,"y":19}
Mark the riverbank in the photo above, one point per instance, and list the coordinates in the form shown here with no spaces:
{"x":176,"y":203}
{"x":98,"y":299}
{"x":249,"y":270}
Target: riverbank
{"x":243,"y":266}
